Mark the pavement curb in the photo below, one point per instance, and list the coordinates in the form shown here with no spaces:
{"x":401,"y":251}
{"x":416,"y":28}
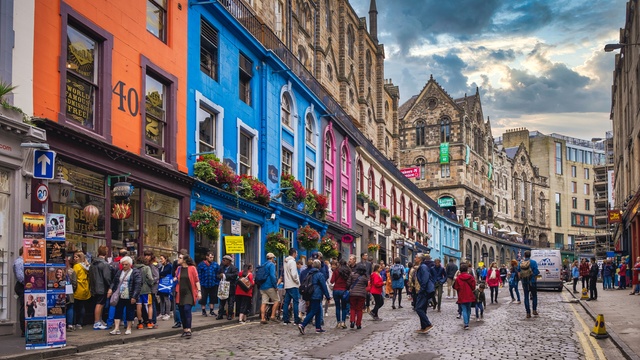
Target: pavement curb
{"x":621,"y":345}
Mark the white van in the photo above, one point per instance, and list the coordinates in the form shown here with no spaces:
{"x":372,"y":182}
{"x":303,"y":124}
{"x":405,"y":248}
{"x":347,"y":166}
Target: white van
{"x":550,"y":266}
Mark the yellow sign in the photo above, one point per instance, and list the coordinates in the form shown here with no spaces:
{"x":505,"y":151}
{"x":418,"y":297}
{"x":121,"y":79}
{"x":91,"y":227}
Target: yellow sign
{"x":234,"y":244}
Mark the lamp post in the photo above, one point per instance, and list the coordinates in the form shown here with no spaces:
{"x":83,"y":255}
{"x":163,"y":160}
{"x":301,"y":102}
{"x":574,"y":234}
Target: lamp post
{"x":611,"y":47}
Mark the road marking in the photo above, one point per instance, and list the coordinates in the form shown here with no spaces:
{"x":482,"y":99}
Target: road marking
{"x":585,"y":346}
{"x":585,"y":334}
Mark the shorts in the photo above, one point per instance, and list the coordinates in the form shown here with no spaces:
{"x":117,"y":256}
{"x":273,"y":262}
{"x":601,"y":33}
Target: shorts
{"x":243,"y":304}
{"x":146,"y":299}
{"x":101,"y":299}
{"x":210,"y":294}
{"x":269,"y":296}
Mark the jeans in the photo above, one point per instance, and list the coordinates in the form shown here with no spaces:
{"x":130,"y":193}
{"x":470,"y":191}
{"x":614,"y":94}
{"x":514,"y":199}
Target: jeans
{"x":585,"y":282}
{"x":494,"y":293}
{"x":315,"y":309}
{"x":165,"y":304}
{"x":438,"y":296}
{"x":356,"y":305}
{"x":397,"y":293}
{"x":154,"y":306}
{"x":466,"y":312}
{"x":21,"y":312}
{"x":70,"y":313}
{"x":623,"y":282}
{"x":479,"y":309}
{"x":512,"y":289}
{"x":422,"y":301}
{"x":575,"y":282}
{"x":341,"y":305}
{"x":606,"y":282}
{"x":593,"y":289}
{"x":185,"y":315}
{"x":533,"y":289}
{"x":291,"y":295}
{"x":176,"y":311}
{"x":379,"y":299}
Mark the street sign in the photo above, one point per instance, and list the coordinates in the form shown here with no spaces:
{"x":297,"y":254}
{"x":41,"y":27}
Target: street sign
{"x":43,"y":164}
{"x":42,"y":193}
{"x":235,"y":227}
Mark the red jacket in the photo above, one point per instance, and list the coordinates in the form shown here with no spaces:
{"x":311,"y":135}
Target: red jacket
{"x":465,"y":284}
{"x":493,"y":282}
{"x":239,"y":291}
{"x":376,"y":284}
{"x":193,"y":279}
{"x":584,"y":269}
{"x":339,"y":282}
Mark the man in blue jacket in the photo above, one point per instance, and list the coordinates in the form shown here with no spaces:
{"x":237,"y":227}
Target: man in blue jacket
{"x":427,"y":289}
{"x":269,"y":291}
{"x":530,"y":285}
{"x":315,"y":304}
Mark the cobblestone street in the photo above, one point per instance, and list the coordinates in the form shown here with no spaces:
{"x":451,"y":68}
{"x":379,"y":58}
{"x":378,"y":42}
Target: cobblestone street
{"x":558,"y":333}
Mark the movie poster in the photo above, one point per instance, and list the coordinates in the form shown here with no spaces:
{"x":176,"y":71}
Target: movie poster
{"x":56,"y":278}
{"x":33,"y":226}
{"x":34,"y":278}
{"x":56,"y":332}
{"x":56,"y":304}
{"x":35,"y":305}
{"x":34,"y":251}
{"x":55,"y":251}
{"x":55,"y":226}
{"x":35,"y":334}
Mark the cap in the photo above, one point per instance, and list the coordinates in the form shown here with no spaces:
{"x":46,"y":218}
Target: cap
{"x":227,"y":257}
{"x":270,"y":256}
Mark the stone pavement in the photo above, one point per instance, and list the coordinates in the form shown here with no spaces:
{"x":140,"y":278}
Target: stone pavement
{"x":504,"y":333}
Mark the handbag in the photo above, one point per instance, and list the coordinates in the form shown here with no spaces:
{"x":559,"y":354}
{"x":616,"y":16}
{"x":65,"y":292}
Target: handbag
{"x":115,"y":297}
{"x":244,"y":283}
{"x":165,"y":285}
{"x":223,"y":289}
{"x":347,"y":293}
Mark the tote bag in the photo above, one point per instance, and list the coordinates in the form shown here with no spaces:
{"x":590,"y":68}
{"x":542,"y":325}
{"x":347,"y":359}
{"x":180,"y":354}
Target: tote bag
{"x":223,"y":289}
{"x":165,"y":285}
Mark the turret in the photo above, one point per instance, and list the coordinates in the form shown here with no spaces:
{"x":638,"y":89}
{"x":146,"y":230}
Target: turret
{"x":373,"y":20}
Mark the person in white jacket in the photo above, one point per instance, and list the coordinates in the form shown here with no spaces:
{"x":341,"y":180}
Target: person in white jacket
{"x":291,"y":287}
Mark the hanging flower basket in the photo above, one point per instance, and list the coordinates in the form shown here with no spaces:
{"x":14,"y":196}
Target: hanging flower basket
{"x":373,"y":248}
{"x":295,"y":192}
{"x":328,"y":247}
{"x":308,"y":238}
{"x":276,"y":244}
{"x":254,"y":190}
{"x":206,"y":221}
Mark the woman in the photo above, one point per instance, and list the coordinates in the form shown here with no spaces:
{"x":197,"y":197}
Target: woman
{"x":243,"y":298}
{"x":188,"y":291}
{"x":397,"y":284}
{"x":575,"y":274}
{"x":129,"y":282}
{"x":493,"y":280}
{"x":73,"y":280}
{"x":341,"y":280}
{"x":82,"y":294}
{"x":332,"y":266}
{"x":465,"y":284}
{"x":357,"y":294}
{"x":514,"y":279}
{"x":388,"y":281}
{"x":622,"y":283}
{"x":165,"y":303}
{"x":31,"y":306}
{"x":315,"y":304}
{"x":376,"y":290}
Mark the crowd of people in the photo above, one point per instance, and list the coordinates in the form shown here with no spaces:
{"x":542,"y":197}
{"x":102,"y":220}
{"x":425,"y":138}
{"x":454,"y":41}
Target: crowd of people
{"x":588,"y":271}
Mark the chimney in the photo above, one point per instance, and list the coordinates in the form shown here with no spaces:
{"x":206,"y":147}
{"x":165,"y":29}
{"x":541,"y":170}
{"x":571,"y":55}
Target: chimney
{"x":373,"y":20}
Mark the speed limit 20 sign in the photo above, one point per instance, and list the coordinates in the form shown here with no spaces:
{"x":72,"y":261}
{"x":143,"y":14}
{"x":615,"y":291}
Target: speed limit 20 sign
{"x":42,"y":193}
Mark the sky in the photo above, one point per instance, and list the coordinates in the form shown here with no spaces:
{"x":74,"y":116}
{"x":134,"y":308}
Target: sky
{"x":538,"y":64}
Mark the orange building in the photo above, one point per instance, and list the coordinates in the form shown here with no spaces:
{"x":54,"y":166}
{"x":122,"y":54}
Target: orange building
{"x":109,"y":87}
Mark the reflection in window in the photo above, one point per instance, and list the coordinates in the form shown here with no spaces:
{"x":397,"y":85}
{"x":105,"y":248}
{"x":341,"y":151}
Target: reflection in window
{"x":82,"y":77}
{"x":157,"y":18}
{"x":161,"y":223}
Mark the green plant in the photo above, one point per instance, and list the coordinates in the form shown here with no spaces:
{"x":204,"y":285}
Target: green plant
{"x":374,"y":204}
{"x":293,"y":190}
{"x":206,"y":221}
{"x":328,"y":247}
{"x":404,"y":223}
{"x":308,"y":237}
{"x":6,"y":88}
{"x":310,"y":203}
{"x":254,"y":190}
{"x":384,"y":211}
{"x":396,"y":218}
{"x":363,"y":196}
{"x":276,"y":243}
{"x":412,"y":229}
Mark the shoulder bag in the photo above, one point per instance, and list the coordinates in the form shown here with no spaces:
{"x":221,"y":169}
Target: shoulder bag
{"x":347,"y":293}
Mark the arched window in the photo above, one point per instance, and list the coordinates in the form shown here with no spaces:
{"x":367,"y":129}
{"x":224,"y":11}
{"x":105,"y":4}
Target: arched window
{"x":328,"y":149}
{"x":383,"y":193}
{"x":309,"y":130}
{"x":445,"y":130}
{"x":386,"y":145}
{"x":309,"y":23}
{"x":422,"y":165}
{"x":425,"y":224}
{"x":410,"y":213}
{"x":368,"y":65}
{"x":351,"y":39}
{"x":359,"y":179}
{"x":420,"y":138}
{"x":343,"y":161}
{"x":394,"y":210}
{"x":327,"y":13}
{"x":345,"y":184}
{"x":285,"y":111}
{"x":371,"y":187}
{"x":331,"y":174}
{"x":403,"y":212}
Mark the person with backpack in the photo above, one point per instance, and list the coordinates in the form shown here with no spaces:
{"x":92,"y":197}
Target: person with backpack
{"x":314,"y":288}
{"x":465,"y":284}
{"x":341,"y":280}
{"x":593,"y":278}
{"x":452,"y":269}
{"x":291,"y":287}
{"x":513,"y":282}
{"x":100,"y":275}
{"x":207,"y":273}
{"x":493,"y":280}
{"x":528,"y":272}
{"x":425,"y":288}
{"x":480,"y":302}
{"x":268,"y":282}
{"x":439,"y":277}
{"x":144,"y":300}
{"x":397,"y":282}
{"x":414,"y":286}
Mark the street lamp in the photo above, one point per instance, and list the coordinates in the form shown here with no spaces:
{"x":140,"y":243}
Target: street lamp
{"x":611,"y":47}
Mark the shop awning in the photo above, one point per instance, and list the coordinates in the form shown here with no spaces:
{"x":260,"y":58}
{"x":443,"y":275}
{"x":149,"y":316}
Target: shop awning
{"x":421,"y":248}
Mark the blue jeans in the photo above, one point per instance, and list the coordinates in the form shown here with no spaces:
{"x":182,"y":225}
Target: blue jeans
{"x":466,"y":312}
{"x":512,"y":289}
{"x":315,"y":309}
{"x":290,"y":295}
{"x":70,"y":314}
{"x":606,"y":282}
{"x":422,"y":301}
{"x":533,"y":289}
{"x":176,"y":311}
{"x":185,"y":315}
{"x":479,"y":309}
{"x":341,"y":305}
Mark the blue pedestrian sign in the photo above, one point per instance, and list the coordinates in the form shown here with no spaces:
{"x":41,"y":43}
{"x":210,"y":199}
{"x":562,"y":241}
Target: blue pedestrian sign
{"x":43,"y":164}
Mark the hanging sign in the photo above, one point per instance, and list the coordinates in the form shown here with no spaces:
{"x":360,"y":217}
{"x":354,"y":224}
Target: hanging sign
{"x":444,"y":153}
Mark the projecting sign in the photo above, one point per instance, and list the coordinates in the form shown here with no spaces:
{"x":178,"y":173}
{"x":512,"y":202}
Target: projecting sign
{"x":412,"y":172}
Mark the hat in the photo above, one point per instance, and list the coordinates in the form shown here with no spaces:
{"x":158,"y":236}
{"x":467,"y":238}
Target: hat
{"x":270,"y":256}
{"x":227,"y":257}
{"x":314,"y":255}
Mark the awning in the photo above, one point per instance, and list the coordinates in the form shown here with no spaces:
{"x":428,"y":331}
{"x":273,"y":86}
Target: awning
{"x":421,"y":248}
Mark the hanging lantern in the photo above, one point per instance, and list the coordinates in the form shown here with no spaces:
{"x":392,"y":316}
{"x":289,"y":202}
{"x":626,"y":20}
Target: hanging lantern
{"x":91,"y":213}
{"x":122,"y":191}
{"x":121,"y":211}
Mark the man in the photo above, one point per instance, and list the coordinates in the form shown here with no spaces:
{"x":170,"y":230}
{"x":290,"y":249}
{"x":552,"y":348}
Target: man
{"x":100,"y":276}
{"x":529,"y":282}
{"x":352,"y":262}
{"x":440,"y":277}
{"x":423,"y":278}
{"x":291,"y":287}
{"x":584,"y":273}
{"x":18,"y":272}
{"x":452,"y":269}
{"x":207,"y":272}
{"x":364,"y":259}
{"x":152,"y":262}
{"x":593,"y":278}
{"x":269,"y":291}
{"x":230,"y":274}
{"x":414,"y":286}
{"x":315,"y":303}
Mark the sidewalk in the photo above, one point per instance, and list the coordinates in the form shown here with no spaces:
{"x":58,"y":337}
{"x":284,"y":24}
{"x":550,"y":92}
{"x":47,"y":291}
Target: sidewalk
{"x":89,"y":339}
{"x":621,"y":317}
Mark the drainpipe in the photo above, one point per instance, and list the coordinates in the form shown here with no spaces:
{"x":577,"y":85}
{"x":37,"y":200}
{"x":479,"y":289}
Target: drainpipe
{"x":263,"y":122}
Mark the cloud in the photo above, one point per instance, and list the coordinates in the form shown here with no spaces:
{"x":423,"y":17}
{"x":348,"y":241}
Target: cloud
{"x":584,"y":125}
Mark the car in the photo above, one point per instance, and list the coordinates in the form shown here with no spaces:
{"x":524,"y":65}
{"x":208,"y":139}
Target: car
{"x":550,"y":266}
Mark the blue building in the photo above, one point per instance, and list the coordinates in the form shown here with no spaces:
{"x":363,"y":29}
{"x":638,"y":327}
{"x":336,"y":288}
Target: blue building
{"x":445,"y":236}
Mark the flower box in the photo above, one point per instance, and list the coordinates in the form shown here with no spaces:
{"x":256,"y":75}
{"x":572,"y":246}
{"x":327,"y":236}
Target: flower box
{"x":371,"y":211}
{"x":383,"y":219}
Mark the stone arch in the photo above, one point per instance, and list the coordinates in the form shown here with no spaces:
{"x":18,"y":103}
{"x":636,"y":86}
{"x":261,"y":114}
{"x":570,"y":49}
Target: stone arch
{"x":492,"y":255}
{"x":502,"y":259}
{"x":476,"y":253}
{"x":483,"y":251}
{"x":468,"y":249}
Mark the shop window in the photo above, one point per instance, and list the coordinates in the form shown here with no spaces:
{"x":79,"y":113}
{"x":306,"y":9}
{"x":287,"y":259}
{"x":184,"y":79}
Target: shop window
{"x":160,"y":223}
{"x":157,"y":18}
{"x":208,"y":50}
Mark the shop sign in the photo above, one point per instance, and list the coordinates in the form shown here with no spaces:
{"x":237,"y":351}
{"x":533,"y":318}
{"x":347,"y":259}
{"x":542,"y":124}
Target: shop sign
{"x":399,"y":242}
{"x":445,"y":202}
{"x":412,"y":172}
{"x":444,"y":153}
{"x":347,"y":239}
{"x":234,"y":244}
{"x":615,"y":216}
{"x":235,"y":227}
{"x":80,"y":97}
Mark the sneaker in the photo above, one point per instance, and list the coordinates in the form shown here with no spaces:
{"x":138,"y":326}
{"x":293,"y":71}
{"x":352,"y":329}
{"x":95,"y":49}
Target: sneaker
{"x":358,"y":327}
{"x":528,"y":316}
{"x":127,"y":332}
{"x":458,"y":317}
{"x":377,"y":319}
{"x":320,"y":330}
{"x":466,"y":327}
{"x":70,"y":328}
{"x":352,"y":325}
{"x":204,"y":312}
{"x":286,"y":323}
{"x":140,"y":326}
{"x":78,"y":327}
{"x":99,"y":326}
{"x":371,"y":314}
{"x":477,"y":319}
{"x":518,"y":302}
{"x":176,"y":325}
{"x":393,"y":307}
{"x":301,"y":329}
{"x":152,"y":326}
{"x":115,"y":332}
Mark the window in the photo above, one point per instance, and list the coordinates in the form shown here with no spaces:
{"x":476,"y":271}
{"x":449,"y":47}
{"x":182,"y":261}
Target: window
{"x":445,"y":130}
{"x":344,"y":201}
{"x":309,"y":127}
{"x":157,"y":18}
{"x":285,"y":111}
{"x":245,"y":74}
{"x":246,"y":153}
{"x":155,"y":117}
{"x":587,"y":204}
{"x":506,"y":206}
{"x":558,"y":158}
{"x":279,"y":18}
{"x":359,"y":180}
{"x":574,"y":203}
{"x":350,"y":41}
{"x":574,"y":187}
{"x":343,"y":161}
{"x":368,"y":65}
{"x":328,"y":191}
{"x":287,"y":156}
{"x":586,"y":189}
{"x":327,"y":14}
{"x":445,"y":171}
{"x":581,"y":220}
{"x":393,"y":202}
{"x":558,"y":211}
{"x":420,"y":133}
{"x":371,"y":187}
{"x":309,"y":173}
{"x":422,"y":165}
{"x":208,"y":50}
{"x":573,"y":171}
{"x":329,"y":72}
{"x":288,"y":234}
{"x":383,"y":193}
{"x":586,"y":174}
{"x":207,"y":122}
{"x":559,"y":240}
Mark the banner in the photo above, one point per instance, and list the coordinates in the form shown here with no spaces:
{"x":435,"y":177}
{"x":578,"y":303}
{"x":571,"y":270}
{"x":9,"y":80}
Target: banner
{"x":490,"y":173}
{"x":610,"y":186}
{"x":410,"y":173}
{"x":468,"y":155}
{"x":444,"y":153}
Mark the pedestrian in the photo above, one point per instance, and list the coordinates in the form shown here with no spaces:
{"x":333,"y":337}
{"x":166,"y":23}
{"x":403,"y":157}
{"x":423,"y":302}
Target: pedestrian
{"x":208,"y":274}
{"x":100,"y":275}
{"x":152,"y":262}
{"x":333,"y":265}
{"x":269,"y":291}
{"x":291,"y":287}
{"x":607,"y":269}
{"x":188,"y":291}
{"x":319,"y":284}
{"x":465,"y":284}
{"x":176,"y":314}
{"x":82,"y":295}
{"x":144,"y":300}
{"x":528,"y":273}
{"x":397,"y":275}
{"x":128,"y":282}
{"x":622,"y":282}
{"x":357,"y":294}
{"x":243,"y":297}
{"x":481,"y":301}
{"x":593,"y":278}
{"x":493,"y":280}
{"x":73,"y":281}
{"x":584,"y":273}
{"x":425,"y":290}
{"x":503,"y":274}
{"x":376,"y":284}
{"x":115,"y":266}
{"x":364,"y":259}
{"x":636,"y":267}
{"x":383,"y":275}
{"x":440,"y":277}
{"x":388,"y":284}
{"x":575,"y":274}
{"x":406,"y":278}
{"x":452,"y":269}
{"x":514,"y":279}
{"x":18,"y":288}
{"x":341,"y":280}
{"x":414,"y":287}
{"x":228,"y":272}
{"x":165,"y":295}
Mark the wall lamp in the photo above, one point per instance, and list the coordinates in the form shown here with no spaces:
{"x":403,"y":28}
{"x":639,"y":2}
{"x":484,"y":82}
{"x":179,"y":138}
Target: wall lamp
{"x":611,"y":47}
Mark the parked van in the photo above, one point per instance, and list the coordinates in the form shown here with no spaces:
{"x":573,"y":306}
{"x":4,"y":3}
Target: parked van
{"x":550,"y":266}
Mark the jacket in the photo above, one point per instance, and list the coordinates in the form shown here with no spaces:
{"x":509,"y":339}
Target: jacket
{"x":584,"y":269}
{"x":208,"y":274}
{"x":534,"y":269}
{"x":193,"y":279}
{"x":231,"y":275}
{"x":464,"y":285}
{"x":320,"y":285}
{"x":376,"y":284}
{"x":291,"y":277}
{"x":367,"y":264}
{"x":575,"y":272}
{"x":480,"y":297}
{"x":439,"y":275}
{"x":495,"y":281}
{"x":358,"y":287}
{"x":82,"y":292}
{"x":452,"y":269}
{"x":399,"y":283}
{"x":155,"y":273}
{"x":239,"y":291}
{"x":339,"y":283}
{"x":146,"y":276}
{"x":514,"y":278}
{"x":594,"y":271}
{"x":606,"y":270}
{"x":425,"y":279}
{"x":272,"y":280}
{"x":100,"y":275}
{"x":166,"y":270}
{"x":135,"y":283}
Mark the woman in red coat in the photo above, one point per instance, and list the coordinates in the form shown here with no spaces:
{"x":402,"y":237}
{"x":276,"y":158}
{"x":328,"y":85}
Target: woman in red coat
{"x":376,"y":290}
{"x":464,"y":285}
{"x":493,"y":280}
{"x":188,"y":290}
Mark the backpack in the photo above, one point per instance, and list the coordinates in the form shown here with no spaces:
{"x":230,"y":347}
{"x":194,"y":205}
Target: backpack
{"x":261,"y":275}
{"x":396,"y":273}
{"x":525,"y":270}
{"x":413,"y":282}
{"x":307,"y":288}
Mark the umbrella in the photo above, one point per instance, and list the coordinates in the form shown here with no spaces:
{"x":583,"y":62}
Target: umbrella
{"x":503,"y":230}
{"x":513,"y":233}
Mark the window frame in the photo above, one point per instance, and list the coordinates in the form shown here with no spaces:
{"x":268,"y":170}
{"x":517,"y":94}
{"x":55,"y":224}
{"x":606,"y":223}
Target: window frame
{"x":286,"y":114}
{"x":445,"y":171}
{"x":165,"y":20}
{"x":285,"y":150}
{"x":244,"y":77}
{"x":309,"y":182}
{"x":445,"y":130}
{"x":420,"y":133}
{"x":310,"y":130}
{"x":202,"y":101}
{"x":558,"y":158}
{"x":253,"y":136}
{"x":216,"y":58}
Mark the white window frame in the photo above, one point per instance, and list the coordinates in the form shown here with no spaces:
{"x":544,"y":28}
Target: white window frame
{"x":242,"y":127}
{"x":201,"y":99}
{"x":344,"y":204}
{"x":328,"y":193}
{"x":313,"y":173}
{"x":282,"y":160}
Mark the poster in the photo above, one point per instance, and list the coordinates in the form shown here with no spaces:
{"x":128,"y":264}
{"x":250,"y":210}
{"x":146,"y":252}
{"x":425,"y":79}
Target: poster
{"x":35,"y":334}
{"x":56,"y":304}
{"x":56,"y":332}
{"x":56,"y":278}
{"x":35,"y":305}
{"x":34,"y":278}
{"x":55,"y":252}
{"x":444,"y":153}
{"x":32,"y":226}
{"x":34,"y":251}
{"x":234,"y":244}
{"x":55,"y":226}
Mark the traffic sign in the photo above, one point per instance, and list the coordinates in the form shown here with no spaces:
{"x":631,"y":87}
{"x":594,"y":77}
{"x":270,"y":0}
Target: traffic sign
{"x":42,"y":193}
{"x":43,"y":164}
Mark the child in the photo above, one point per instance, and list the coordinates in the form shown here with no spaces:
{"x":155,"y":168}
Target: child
{"x":481,"y":301}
